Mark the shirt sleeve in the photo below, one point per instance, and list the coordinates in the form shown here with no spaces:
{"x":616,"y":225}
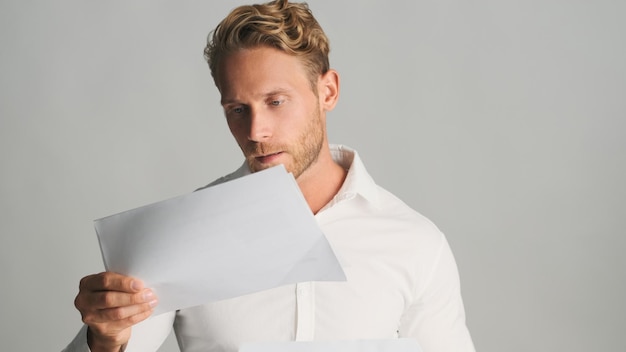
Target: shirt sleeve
{"x":146,"y":336}
{"x":436,"y":317}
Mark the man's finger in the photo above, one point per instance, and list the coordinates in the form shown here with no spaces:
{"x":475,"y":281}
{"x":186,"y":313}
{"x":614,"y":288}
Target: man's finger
{"x":121,"y":316}
{"x":115,"y":299}
{"x":109,"y":281}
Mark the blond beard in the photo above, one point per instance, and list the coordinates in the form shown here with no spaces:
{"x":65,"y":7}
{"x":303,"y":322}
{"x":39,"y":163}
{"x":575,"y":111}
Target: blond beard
{"x":304,"y":152}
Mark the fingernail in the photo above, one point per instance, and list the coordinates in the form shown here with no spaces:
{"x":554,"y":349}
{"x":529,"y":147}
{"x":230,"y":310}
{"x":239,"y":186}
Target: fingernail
{"x":153,"y":303}
{"x":148,"y":295}
{"x":135,"y":285}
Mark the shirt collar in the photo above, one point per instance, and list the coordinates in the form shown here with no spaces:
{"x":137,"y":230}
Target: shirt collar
{"x":358,"y":181}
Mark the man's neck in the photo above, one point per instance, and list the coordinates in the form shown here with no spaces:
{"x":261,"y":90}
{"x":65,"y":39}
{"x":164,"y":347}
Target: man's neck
{"x":322,"y":181}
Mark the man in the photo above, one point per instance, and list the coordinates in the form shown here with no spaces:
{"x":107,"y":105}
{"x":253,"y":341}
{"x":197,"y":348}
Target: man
{"x":270,"y":65}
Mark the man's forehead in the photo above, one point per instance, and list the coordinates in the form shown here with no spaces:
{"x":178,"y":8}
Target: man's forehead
{"x":259,"y":58}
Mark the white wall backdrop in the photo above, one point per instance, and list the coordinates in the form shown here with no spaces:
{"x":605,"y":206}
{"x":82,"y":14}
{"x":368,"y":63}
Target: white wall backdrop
{"x":502,"y":121}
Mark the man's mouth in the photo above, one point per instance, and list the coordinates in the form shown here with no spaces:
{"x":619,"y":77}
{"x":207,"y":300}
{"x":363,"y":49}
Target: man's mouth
{"x":268,"y":158}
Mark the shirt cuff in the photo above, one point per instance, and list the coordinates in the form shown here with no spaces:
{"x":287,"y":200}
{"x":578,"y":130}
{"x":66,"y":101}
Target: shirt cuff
{"x":79,"y":344}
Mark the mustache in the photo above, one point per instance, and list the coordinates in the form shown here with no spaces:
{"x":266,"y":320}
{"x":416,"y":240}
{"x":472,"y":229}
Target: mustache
{"x":257,"y":149}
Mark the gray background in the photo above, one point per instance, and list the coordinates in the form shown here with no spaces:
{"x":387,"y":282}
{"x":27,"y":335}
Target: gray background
{"x":502,"y":121}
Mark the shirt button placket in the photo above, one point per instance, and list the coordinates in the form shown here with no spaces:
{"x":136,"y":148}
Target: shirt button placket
{"x":305,"y":321}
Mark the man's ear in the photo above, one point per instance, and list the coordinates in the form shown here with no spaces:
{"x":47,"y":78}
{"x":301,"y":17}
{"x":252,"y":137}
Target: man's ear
{"x":328,"y":90}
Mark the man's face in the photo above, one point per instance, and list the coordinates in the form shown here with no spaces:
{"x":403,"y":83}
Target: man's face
{"x":271,"y":109}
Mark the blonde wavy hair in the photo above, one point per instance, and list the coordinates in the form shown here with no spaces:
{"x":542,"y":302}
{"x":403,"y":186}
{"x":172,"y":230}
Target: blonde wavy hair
{"x":289,"y":27}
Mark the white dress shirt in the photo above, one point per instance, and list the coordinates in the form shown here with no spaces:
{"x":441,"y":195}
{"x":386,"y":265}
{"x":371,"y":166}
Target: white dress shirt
{"x":402,"y":281}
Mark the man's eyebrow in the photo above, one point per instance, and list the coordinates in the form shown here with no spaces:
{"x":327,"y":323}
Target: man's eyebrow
{"x":277,"y":91}
{"x":273,"y":92}
{"x":228,"y":101}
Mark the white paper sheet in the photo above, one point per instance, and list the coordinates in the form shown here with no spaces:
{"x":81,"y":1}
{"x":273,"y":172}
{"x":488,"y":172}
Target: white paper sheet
{"x":395,"y":345}
{"x":246,"y":235}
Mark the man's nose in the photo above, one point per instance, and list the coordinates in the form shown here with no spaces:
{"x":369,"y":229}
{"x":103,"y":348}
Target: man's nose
{"x":260,"y":128}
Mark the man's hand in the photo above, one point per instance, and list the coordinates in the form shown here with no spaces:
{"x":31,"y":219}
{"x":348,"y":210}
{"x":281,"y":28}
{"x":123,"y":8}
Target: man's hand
{"x":110,"y":305}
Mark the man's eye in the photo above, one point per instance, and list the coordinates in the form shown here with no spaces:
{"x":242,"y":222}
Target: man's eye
{"x":237,"y":110}
{"x":276,"y":102}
